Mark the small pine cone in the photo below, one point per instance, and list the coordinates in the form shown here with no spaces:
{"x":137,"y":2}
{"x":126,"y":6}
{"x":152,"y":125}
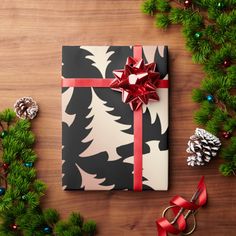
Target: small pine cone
{"x":202,"y":146}
{"x":26,"y":108}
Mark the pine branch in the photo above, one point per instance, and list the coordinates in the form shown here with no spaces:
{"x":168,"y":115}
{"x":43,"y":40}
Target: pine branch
{"x":210,"y":33}
{"x":20,"y":210}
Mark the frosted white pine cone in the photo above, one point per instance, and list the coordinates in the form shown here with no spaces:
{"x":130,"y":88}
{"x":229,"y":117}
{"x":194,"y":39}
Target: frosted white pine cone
{"x":26,"y":108}
{"x":202,"y":146}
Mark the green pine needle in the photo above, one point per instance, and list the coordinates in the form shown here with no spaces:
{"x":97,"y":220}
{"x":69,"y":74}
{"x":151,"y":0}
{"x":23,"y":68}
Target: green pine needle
{"x":178,"y":15}
{"x":76,"y":219}
{"x":162,"y":5}
{"x":227,"y":169}
{"x":89,"y":227}
{"x":162,"y":20}
{"x":198,"y":95}
{"x":51,"y":216}
{"x":7,"y":115}
{"x":149,"y":7}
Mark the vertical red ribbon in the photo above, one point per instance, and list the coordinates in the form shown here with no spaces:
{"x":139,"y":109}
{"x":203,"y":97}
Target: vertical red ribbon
{"x":138,"y":136}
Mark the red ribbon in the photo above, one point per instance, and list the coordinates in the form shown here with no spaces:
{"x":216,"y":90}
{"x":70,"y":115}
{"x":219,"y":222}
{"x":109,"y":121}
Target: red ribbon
{"x":138,"y":137}
{"x":98,"y":82}
{"x":164,"y":226}
{"x":138,"y":123}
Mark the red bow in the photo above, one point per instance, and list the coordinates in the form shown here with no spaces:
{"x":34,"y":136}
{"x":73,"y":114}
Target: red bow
{"x":164,"y":226}
{"x":137,"y":82}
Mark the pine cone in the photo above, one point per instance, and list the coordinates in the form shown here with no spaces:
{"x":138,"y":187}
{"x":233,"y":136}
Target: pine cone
{"x":202,"y":146}
{"x":26,"y":108}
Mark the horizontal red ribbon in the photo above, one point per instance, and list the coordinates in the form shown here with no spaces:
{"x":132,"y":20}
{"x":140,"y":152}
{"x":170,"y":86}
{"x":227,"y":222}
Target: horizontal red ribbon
{"x":98,"y":82}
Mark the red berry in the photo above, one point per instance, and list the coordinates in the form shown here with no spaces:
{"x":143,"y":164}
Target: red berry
{"x":226,"y":63}
{"x":14,"y":227}
{"x":187,"y":3}
{"x":5,"y":166}
{"x":226,"y":134}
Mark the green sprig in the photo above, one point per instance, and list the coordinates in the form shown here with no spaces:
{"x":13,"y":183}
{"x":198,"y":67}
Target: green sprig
{"x":209,"y":28}
{"x":20,"y":205}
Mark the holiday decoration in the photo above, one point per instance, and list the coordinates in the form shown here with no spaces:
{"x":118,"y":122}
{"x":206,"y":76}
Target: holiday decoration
{"x":2,"y":191}
{"x":47,"y":230}
{"x":26,"y":108}
{"x":226,"y":63}
{"x":138,"y":83}
{"x":210,"y":98}
{"x":226,"y":134}
{"x":179,"y":206}
{"x":20,"y":211}
{"x":5,"y":166}
{"x":94,"y":112}
{"x":202,"y":146}
{"x":198,"y":35}
{"x":28,"y":164}
{"x":3,"y":134}
{"x":209,"y":30}
{"x":187,"y":3}
{"x":220,"y":5}
{"x":14,"y":227}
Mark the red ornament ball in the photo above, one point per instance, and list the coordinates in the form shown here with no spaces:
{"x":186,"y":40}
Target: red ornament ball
{"x":5,"y":166}
{"x":187,"y":3}
{"x":14,"y":226}
{"x":226,"y":134}
{"x":226,"y":63}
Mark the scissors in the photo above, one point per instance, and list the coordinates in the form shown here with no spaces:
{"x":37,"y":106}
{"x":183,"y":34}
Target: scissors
{"x":188,"y":214}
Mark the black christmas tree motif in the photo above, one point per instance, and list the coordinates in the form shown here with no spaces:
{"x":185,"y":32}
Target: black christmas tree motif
{"x":76,"y":63}
{"x":154,"y":130}
{"x":118,"y":58}
{"x":73,"y":135}
{"x":115,"y":173}
{"x":66,"y":96}
{"x":100,"y":57}
{"x":160,"y":56}
{"x":118,"y":173}
{"x":151,"y":131}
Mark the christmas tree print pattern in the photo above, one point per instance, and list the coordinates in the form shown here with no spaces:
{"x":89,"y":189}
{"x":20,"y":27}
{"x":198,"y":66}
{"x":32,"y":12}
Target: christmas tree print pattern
{"x":97,"y":128}
{"x":100,"y":136}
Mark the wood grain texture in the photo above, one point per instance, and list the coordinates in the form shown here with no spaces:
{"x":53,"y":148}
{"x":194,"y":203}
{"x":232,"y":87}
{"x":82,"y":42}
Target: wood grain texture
{"x":31,"y":36}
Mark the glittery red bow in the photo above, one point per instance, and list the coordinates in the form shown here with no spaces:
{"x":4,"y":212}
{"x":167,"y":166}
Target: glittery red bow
{"x":138,"y":82}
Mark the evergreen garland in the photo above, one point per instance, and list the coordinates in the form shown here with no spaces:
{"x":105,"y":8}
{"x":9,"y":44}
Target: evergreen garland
{"x":20,"y":191}
{"x":209,"y":27}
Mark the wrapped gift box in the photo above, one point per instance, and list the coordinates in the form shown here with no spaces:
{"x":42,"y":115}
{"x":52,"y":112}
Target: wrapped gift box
{"x":98,"y":128}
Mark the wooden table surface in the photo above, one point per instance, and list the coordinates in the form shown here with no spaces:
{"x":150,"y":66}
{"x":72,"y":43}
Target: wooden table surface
{"x":32,"y":33}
